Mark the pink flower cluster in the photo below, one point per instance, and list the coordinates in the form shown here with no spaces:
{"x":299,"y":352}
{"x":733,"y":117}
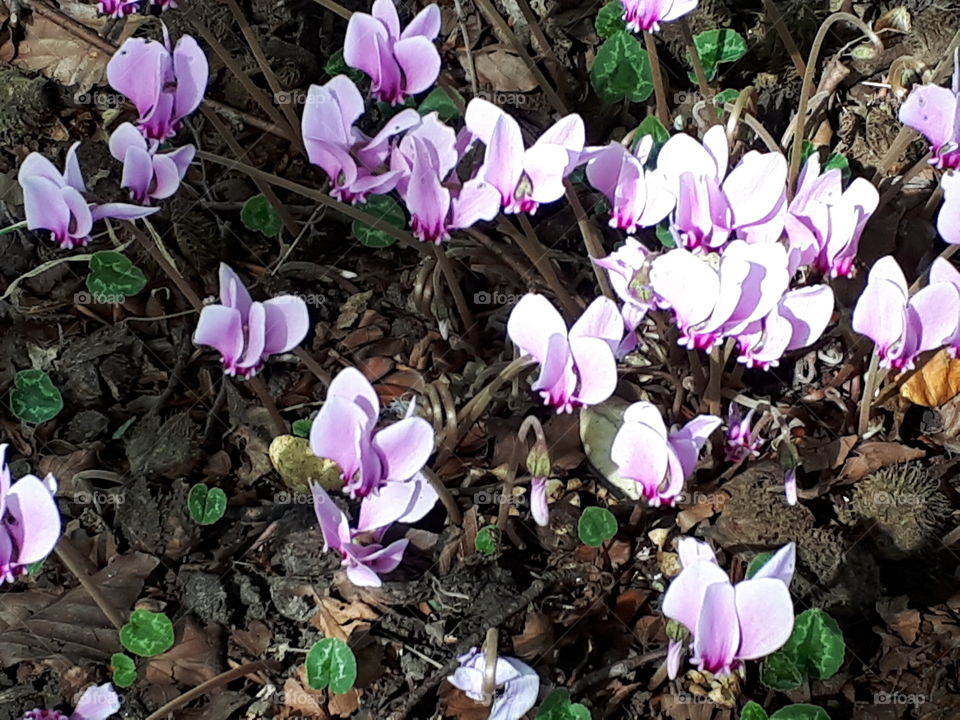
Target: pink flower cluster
{"x":382,"y":466}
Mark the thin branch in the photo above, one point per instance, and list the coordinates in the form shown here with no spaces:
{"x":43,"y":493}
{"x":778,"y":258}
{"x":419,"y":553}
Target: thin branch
{"x":222,"y":679}
{"x":71,"y":557}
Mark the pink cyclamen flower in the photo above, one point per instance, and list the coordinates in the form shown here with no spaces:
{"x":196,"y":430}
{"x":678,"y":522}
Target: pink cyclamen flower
{"x":54,"y":201}
{"x":362,"y":553}
{"x":400,"y":64}
{"x":525,"y":177}
{"x":353,"y":162}
{"x":628,"y":268}
{"x":740,"y":443}
{"x":119,"y":8}
{"x":903,"y":327}
{"x":733,"y":293}
{"x":577,"y":367}
{"x":148,"y":175}
{"x":437,"y":202}
{"x":646,"y":15}
{"x":660,"y":462}
{"x":943,"y":271}
{"x":638,"y":197}
{"x":797,"y":321}
{"x":245,"y":332}
{"x":934,"y":111}
{"x":165,"y":84}
{"x":825,"y":222}
{"x":729,"y":623}
{"x":948,"y":221}
{"x":98,"y":702}
{"x":516,"y":689}
{"x":345,"y":431}
{"x":29,"y":520}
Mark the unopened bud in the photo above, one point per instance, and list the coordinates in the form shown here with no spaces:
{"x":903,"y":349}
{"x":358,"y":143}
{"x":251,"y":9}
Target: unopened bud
{"x":538,"y":461}
{"x":676,"y":631}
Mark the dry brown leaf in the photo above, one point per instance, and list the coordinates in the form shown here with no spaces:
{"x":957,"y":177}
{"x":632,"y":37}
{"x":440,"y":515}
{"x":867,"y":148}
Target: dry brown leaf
{"x":62,"y":56}
{"x":299,"y":702}
{"x":504,"y":72}
{"x":255,"y":639}
{"x":936,"y":382}
{"x":341,"y":619}
{"x":194,"y":659}
{"x":536,"y":638}
{"x":875,"y":455}
{"x":829,"y":455}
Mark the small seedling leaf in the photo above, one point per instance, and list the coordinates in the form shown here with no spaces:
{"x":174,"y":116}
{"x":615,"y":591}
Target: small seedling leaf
{"x":753,"y":711}
{"x":147,"y":634}
{"x":113,"y":277}
{"x":596,"y":526}
{"x":260,"y":216}
{"x":800,"y":712}
{"x":34,"y":398}
{"x":487,"y":541}
{"x":206,"y":504}
{"x":331,"y":663}
{"x":124,"y":670}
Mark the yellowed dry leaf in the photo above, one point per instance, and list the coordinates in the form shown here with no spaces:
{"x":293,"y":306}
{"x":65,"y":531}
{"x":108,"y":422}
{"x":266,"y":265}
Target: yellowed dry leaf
{"x":937,"y":381}
{"x":875,"y":455}
{"x":62,"y":56}
{"x":504,"y":72}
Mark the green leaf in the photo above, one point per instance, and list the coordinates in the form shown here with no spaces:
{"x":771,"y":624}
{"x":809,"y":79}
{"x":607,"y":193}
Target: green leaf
{"x":807,"y":149}
{"x":147,"y":634}
{"x":301,"y":428}
{"x":800,"y":711}
{"x":596,"y":526}
{"x":665,"y":236}
{"x":260,"y":216}
{"x":34,"y":568}
{"x":816,"y":644}
{"x":758,"y":562}
{"x":621,"y":70}
{"x":557,"y":706}
{"x":337,"y":66}
{"x":387,"y":212}
{"x":651,"y":125}
{"x":34,"y":398}
{"x":780,"y":672}
{"x":837,"y":161}
{"x":487,"y":541}
{"x":440,"y":101}
{"x":752,"y":711}
{"x":113,"y":277}
{"x":124,"y":670}
{"x":206,"y":504}
{"x":716,"y":47}
{"x":331,"y":663}
{"x":610,"y":20}
{"x":729,"y":95}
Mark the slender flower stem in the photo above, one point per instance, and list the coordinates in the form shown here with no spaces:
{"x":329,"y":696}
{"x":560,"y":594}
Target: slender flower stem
{"x":712,"y":394}
{"x":490,"y":666}
{"x":71,"y":557}
{"x":531,"y":246}
{"x":590,"y":238}
{"x":799,"y":127}
{"x":663,"y":108}
{"x":784,"y":32}
{"x":15,"y":226}
{"x":869,"y":389}
{"x":470,"y":328}
{"x":702,"y":81}
{"x":557,"y":69}
{"x":260,"y":388}
{"x":182,"y":285}
{"x":449,"y":503}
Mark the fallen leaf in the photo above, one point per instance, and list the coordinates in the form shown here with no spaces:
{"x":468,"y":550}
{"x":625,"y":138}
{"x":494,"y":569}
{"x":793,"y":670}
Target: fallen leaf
{"x":194,"y":659}
{"x":936,"y":382}
{"x":875,"y":455}
{"x":536,"y":638}
{"x":73,"y":625}
{"x":299,"y":702}
{"x":504,"y":72}
{"x":255,"y":639}
{"x":342,"y":619}
{"x":48,"y":48}
{"x":828,"y":455}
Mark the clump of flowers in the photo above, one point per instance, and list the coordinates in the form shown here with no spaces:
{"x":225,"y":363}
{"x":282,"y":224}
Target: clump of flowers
{"x":904,"y":326}
{"x":29,"y":520}
{"x":516,"y":684}
{"x":98,"y":702}
{"x":577,"y":366}
{"x":246,"y":333}
{"x":400,"y":63}
{"x":729,"y":623}
{"x":659,"y":461}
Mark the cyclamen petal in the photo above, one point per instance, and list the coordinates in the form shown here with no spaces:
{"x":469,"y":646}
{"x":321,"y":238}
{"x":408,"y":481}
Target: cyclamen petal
{"x":517,"y":684}
{"x":238,"y":328}
{"x":646,"y":15}
{"x":577,"y":367}
{"x":935,"y":112}
{"x":948,"y":220}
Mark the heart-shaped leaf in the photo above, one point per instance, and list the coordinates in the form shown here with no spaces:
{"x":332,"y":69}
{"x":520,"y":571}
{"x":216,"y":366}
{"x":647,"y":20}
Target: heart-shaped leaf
{"x":34,"y":398}
{"x":147,"y":634}
{"x":487,"y":541}
{"x":716,"y":47}
{"x":206,"y":504}
{"x":124,"y":670}
{"x":816,"y":643}
{"x":440,"y":101}
{"x":780,"y":672}
{"x":114,"y":277}
{"x":596,"y":526}
{"x":800,"y":711}
{"x":332,"y":663}
{"x":260,"y":216}
{"x":610,"y":20}
{"x":621,"y":70}
{"x":301,"y":428}
{"x":753,"y":711}
{"x":387,"y":212}
{"x":557,"y":706}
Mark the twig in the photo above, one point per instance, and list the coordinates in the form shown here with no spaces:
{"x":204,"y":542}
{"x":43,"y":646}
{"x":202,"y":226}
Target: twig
{"x":660,"y":91}
{"x":313,"y":365}
{"x":71,"y":557}
{"x":557,"y":69}
{"x":216,"y":681}
{"x":182,"y":285}
{"x":590,"y":237}
{"x":617,"y":670}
